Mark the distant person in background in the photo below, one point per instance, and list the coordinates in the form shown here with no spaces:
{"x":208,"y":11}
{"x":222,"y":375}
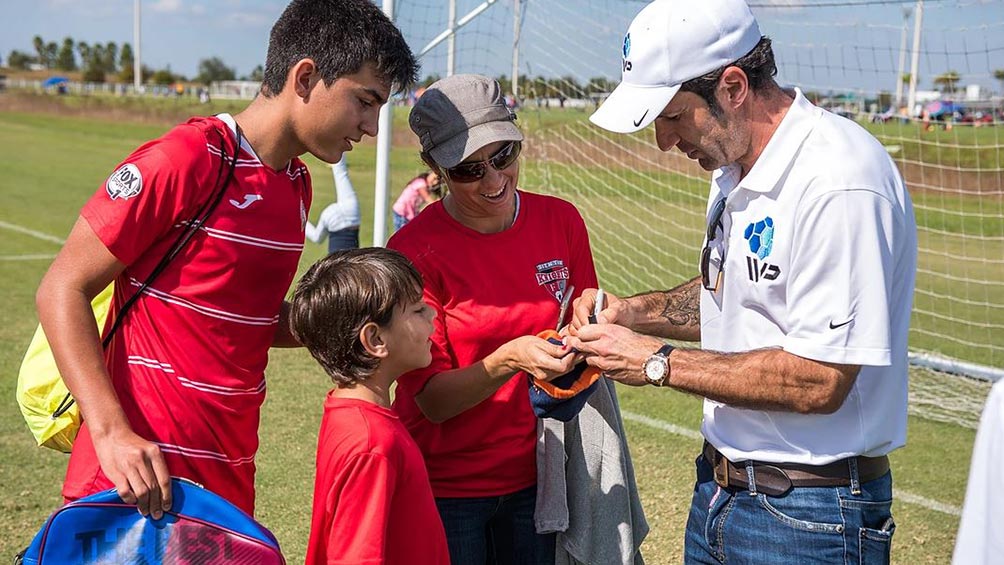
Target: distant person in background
{"x":339,"y":222}
{"x":415,"y":196}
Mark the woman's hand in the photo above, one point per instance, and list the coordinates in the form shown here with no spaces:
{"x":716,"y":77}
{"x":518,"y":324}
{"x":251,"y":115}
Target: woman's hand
{"x":537,"y":357}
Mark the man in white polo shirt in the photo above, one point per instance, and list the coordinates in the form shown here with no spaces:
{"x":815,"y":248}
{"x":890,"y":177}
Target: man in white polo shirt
{"x":802,"y":306}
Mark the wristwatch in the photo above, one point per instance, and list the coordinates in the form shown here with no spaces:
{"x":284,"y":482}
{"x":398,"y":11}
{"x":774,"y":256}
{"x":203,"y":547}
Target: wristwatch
{"x":656,"y":367}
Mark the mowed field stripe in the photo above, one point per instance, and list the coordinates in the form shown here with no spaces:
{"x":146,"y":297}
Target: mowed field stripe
{"x":31,"y":232}
{"x":28,"y":257}
{"x":902,"y":495}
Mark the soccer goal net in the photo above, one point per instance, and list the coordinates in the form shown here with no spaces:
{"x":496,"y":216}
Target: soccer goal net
{"x":926,"y":78}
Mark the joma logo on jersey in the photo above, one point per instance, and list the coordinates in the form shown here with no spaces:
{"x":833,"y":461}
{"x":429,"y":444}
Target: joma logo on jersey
{"x":125,"y":182}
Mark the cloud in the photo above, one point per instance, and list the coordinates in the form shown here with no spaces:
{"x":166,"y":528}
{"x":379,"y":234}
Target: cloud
{"x":248,"y":19}
{"x":167,"y":6}
{"x":91,"y":9}
{"x":779,"y":6}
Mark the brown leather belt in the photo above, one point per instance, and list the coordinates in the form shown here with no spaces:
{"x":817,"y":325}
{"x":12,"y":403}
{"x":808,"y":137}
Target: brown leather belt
{"x":775,"y":479}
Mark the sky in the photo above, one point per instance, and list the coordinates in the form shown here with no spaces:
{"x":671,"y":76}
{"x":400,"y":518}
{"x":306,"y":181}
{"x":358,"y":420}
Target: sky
{"x":835,"y":44}
{"x":178,"y":33}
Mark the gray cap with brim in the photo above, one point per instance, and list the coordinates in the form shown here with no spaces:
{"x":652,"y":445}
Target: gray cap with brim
{"x":459,"y":115}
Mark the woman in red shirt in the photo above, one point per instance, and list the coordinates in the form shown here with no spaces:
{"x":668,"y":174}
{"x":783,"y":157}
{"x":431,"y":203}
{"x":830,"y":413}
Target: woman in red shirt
{"x":496,"y":262}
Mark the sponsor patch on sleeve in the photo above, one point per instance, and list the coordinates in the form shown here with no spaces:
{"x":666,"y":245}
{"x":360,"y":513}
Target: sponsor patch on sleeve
{"x":125,"y":182}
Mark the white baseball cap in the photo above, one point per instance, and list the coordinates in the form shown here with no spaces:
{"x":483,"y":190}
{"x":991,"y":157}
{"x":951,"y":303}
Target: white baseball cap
{"x":670,"y":42}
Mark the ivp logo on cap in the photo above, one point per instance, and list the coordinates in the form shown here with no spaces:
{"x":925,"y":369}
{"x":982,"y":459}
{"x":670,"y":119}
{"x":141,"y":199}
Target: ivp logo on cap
{"x":626,"y":50}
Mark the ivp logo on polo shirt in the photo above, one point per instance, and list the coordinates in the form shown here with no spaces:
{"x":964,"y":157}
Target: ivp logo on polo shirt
{"x":760,"y":236}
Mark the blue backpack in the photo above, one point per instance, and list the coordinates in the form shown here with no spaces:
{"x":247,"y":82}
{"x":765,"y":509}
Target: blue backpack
{"x":200,"y":528}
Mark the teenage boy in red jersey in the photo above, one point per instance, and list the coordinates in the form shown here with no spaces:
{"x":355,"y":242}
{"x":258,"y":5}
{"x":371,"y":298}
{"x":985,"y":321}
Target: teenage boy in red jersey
{"x":360,"y":314}
{"x":179,"y":389}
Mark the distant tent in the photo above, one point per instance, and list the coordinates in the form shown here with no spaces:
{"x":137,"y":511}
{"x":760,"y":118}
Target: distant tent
{"x":940,"y":108}
{"x":53,"y":81}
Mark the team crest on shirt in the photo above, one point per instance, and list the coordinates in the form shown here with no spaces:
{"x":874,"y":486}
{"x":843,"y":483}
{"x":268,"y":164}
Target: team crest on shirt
{"x":125,"y":182}
{"x":553,"y":275}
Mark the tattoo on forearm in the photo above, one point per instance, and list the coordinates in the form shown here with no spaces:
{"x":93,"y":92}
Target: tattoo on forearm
{"x":683,"y":305}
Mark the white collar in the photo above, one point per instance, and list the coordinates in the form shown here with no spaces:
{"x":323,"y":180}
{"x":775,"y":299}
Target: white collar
{"x":781,"y":148}
{"x":232,"y":124}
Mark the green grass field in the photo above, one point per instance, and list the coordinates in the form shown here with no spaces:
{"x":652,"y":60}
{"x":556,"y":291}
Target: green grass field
{"x":54,"y":163}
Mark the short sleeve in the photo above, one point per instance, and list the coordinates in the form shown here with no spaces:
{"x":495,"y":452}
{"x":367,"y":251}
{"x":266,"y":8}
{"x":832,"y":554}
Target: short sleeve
{"x":841,"y":279}
{"x":443,"y":358}
{"x":149,"y":192}
{"x":360,"y":501}
{"x":583,"y":269}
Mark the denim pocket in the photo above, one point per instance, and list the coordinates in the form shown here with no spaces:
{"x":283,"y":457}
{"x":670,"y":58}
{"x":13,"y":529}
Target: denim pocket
{"x":785,"y":510}
{"x":875,"y":544}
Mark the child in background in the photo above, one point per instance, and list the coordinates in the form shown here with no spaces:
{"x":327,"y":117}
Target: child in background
{"x":416,"y":195}
{"x":339,"y":222}
{"x":360,"y":314}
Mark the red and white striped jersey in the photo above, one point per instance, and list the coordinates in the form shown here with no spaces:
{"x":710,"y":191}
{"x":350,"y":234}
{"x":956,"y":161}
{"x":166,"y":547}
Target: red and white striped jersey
{"x":188,"y":361}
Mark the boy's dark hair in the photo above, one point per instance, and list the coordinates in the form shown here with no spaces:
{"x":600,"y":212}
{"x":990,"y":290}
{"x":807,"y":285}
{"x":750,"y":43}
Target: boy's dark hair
{"x":339,"y":295}
{"x":340,"y":36}
{"x":758,"y":65}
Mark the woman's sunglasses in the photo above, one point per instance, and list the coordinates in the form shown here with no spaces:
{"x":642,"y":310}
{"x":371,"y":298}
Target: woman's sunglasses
{"x":501,"y":160}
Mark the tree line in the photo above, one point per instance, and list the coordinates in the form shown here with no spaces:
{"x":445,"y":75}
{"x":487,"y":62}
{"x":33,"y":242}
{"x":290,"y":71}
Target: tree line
{"x":542,"y":87}
{"x":107,"y":62}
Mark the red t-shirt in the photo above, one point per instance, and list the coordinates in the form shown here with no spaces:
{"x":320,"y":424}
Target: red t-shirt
{"x":372,"y":500}
{"x":488,"y":289}
{"x":188,"y":361}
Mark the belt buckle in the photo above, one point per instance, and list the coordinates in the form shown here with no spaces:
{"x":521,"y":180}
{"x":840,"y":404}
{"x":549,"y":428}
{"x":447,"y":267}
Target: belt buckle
{"x":721,"y":467}
{"x":772,"y":480}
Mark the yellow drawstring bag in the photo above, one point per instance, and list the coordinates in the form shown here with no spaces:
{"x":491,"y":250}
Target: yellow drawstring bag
{"x":48,"y":408}
{"x":45,"y":402}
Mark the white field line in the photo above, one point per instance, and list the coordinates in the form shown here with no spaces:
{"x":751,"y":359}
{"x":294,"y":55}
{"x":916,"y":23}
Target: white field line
{"x":28,"y":257}
{"x":31,"y":232}
{"x":902,"y":495}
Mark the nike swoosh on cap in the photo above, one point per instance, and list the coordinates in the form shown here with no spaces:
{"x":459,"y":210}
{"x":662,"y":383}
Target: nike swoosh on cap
{"x":638,"y":123}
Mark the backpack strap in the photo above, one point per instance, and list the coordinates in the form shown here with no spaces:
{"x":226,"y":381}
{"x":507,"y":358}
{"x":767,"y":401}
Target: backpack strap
{"x":197,"y":221}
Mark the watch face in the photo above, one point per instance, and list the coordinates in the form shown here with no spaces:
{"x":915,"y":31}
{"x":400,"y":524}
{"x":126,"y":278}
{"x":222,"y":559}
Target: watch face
{"x":655,"y":369}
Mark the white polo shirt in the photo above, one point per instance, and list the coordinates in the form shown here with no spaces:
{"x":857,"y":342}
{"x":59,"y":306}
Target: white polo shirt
{"x":819,"y":260}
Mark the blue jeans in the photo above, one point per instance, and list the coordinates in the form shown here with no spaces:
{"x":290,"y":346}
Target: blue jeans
{"x":806,"y":525}
{"x":347,"y":238}
{"x":497,"y":530}
{"x":399,"y":221}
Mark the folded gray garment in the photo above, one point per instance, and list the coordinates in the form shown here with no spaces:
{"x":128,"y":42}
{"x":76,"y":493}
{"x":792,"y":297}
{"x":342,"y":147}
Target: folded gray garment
{"x":586,"y":489}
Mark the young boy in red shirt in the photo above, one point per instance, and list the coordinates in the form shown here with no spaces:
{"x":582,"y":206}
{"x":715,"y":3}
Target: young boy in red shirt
{"x":360,"y":314}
